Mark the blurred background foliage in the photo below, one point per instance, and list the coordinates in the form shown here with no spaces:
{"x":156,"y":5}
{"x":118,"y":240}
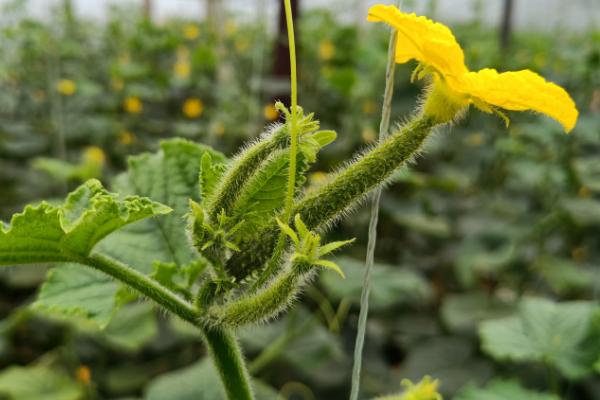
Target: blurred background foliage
{"x":489,"y":246}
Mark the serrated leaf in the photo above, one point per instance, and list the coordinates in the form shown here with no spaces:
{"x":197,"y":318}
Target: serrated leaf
{"x":171,"y":177}
{"x":34,"y":383}
{"x":47,"y":233}
{"x":210,"y":173}
{"x":543,"y":331}
{"x":502,"y":390}
{"x":265,"y":191}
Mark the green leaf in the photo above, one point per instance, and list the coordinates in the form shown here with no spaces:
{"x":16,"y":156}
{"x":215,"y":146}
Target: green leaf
{"x":132,"y":327}
{"x":210,"y":173}
{"x":332,"y":266}
{"x":588,"y":170}
{"x":584,"y":212}
{"x":34,"y":383}
{"x":197,"y":382}
{"x":543,"y":331}
{"x":461,"y":313}
{"x":74,"y":290}
{"x":390,"y":284}
{"x":502,"y":390}
{"x":265,"y":191}
{"x":564,"y":276}
{"x":171,"y":177}
{"x":47,"y":233}
{"x":333,"y":246}
{"x":285,"y":228}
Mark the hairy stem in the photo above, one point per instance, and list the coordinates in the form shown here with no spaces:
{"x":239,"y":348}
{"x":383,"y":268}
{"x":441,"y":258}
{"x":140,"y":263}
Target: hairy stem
{"x":241,"y":169}
{"x":266,"y":303}
{"x":366,"y":289}
{"x":143,"y":284}
{"x":346,"y":189}
{"x":228,"y":359}
{"x":223,"y":346}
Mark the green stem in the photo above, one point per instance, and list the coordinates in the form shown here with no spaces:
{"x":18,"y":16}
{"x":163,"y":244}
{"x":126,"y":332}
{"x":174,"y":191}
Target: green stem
{"x":345,"y":190}
{"x":364,"y":298}
{"x":223,"y":346}
{"x":145,"y":285}
{"x":291,"y":187}
{"x":265,"y":303}
{"x":229,"y":361}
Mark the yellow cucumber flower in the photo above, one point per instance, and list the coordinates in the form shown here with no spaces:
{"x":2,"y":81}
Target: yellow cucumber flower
{"x":193,"y":108}
{"x":426,"y":389}
{"x":133,"y":105}
{"x":270,"y":112}
{"x":66,"y":87}
{"x":455,"y":87}
{"x":191,"y":31}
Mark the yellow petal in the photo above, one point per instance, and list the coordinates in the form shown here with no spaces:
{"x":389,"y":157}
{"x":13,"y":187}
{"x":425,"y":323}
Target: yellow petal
{"x":421,"y":39}
{"x":518,"y":91}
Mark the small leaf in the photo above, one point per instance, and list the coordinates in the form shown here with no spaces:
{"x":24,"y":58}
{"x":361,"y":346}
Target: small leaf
{"x":331,"y":265}
{"x":329,"y":247}
{"x":323,"y":138}
{"x":300,"y":227}
{"x":285,"y":228}
{"x":210,"y":173}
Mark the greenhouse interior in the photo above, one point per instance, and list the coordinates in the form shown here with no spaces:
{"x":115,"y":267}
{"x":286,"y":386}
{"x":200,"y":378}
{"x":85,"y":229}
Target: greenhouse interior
{"x":299,"y":200}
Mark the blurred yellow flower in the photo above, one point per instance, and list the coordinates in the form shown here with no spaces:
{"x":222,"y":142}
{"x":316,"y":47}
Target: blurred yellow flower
{"x":94,"y":155}
{"x":191,"y":31}
{"x":133,"y":105}
{"x":193,"y":107}
{"x":66,"y":87}
{"x":270,"y":112}
{"x":126,"y":138}
{"x":326,"y":50}
{"x":182,"y":69}
{"x":455,"y":87}
{"x":426,"y":389}
{"x":83,"y":375}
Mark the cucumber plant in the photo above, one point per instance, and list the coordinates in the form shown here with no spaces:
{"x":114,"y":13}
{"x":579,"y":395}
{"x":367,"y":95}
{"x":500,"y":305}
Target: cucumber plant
{"x":220,"y":243}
